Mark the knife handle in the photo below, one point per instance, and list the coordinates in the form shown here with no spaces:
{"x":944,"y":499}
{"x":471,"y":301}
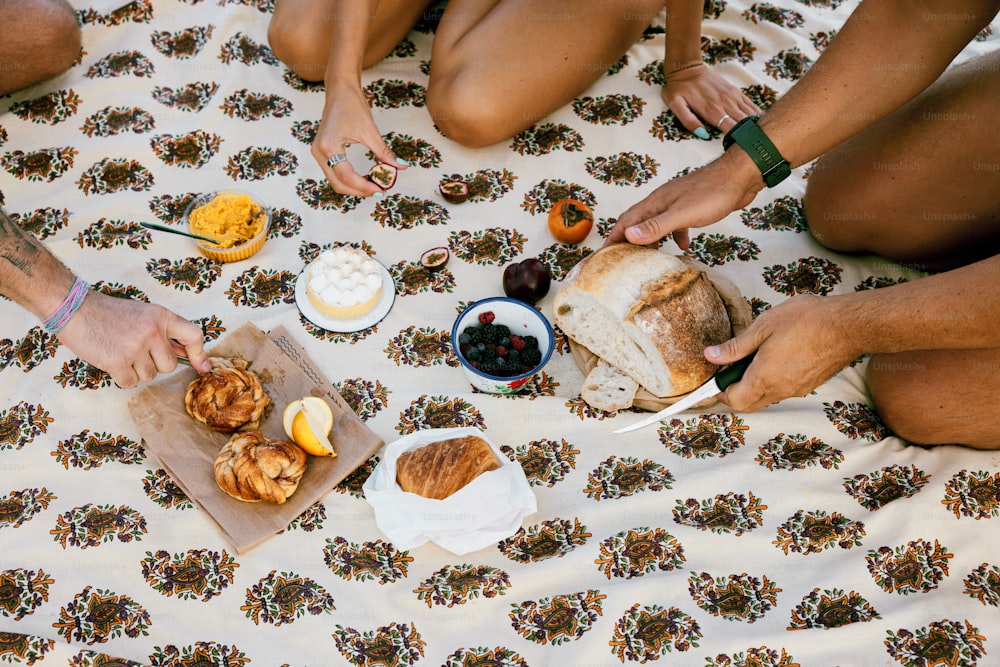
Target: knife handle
{"x":734,"y":372}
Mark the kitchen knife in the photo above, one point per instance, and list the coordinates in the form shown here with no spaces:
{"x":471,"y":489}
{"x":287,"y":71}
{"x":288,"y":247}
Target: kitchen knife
{"x":715,"y":384}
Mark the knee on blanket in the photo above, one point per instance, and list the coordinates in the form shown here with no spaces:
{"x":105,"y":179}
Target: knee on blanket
{"x":53,"y":32}
{"x":918,"y":397}
{"x":469,"y":116}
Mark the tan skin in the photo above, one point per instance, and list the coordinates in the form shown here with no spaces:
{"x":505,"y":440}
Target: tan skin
{"x":905,"y":174}
{"x":131,"y":340}
{"x":39,"y":39}
{"x":497,"y":67}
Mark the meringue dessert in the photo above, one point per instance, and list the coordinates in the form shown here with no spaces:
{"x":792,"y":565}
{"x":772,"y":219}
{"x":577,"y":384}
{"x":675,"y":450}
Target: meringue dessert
{"x":344,"y":283}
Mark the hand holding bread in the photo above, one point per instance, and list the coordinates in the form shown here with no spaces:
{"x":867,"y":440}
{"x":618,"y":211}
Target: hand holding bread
{"x":228,"y":399}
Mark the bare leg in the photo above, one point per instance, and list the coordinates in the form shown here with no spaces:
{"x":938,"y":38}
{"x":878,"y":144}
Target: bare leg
{"x":941,"y":397}
{"x":500,"y":67}
{"x":300,"y":30}
{"x":920,"y":187}
{"x":39,"y":39}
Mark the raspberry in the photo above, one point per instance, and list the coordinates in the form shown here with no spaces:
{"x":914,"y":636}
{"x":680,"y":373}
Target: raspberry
{"x":501,"y":351}
{"x":517,"y":342}
{"x":486,"y":317}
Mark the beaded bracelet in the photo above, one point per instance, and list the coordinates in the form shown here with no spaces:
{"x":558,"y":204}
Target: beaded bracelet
{"x":57,"y":320}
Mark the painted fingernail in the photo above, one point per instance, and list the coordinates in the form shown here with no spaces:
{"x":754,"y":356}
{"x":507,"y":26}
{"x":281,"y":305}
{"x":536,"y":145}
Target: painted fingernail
{"x":402,"y":163}
{"x":379,"y":195}
{"x":701,"y":133}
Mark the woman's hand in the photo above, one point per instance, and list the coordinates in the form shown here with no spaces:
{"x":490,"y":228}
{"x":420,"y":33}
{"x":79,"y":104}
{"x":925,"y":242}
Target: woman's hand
{"x":695,"y":200}
{"x":700,"y":94}
{"x":800,"y":344}
{"x":347,"y":119}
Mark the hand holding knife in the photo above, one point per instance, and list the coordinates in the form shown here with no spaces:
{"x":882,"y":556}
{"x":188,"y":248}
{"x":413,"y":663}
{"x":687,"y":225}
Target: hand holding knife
{"x":717,"y":383}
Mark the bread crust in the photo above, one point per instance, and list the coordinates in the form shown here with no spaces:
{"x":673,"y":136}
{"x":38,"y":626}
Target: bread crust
{"x":646,"y":312}
{"x":252,"y":468}
{"x":439,"y":469}
{"x":230,"y":398}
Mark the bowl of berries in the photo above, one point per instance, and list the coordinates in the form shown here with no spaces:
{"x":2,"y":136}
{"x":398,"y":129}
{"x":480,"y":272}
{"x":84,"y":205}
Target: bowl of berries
{"x":501,"y":343}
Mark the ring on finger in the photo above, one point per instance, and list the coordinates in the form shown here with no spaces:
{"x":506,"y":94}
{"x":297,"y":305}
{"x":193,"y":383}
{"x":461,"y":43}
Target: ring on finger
{"x":722,"y":120}
{"x":335,"y":160}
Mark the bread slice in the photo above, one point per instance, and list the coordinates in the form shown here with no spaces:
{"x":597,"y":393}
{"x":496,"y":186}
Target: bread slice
{"x":646,"y":312}
{"x":607,"y":388}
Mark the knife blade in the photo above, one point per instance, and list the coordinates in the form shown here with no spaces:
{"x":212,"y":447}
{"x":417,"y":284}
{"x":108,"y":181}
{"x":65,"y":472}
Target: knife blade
{"x":717,"y":383}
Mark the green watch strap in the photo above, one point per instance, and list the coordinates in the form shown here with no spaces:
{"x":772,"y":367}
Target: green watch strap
{"x":765,"y":155}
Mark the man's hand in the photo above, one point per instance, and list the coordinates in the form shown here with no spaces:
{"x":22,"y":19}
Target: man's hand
{"x":695,"y":200}
{"x":800,"y":345}
{"x":131,"y":340}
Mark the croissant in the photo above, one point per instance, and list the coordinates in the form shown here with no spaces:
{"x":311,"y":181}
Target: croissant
{"x":228,"y":399}
{"x":252,"y":468}
{"x":441,"y":468}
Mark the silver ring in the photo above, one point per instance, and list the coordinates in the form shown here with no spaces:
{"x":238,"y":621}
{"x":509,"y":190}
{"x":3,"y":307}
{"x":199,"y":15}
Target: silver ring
{"x":722,"y":120}
{"x":335,"y":160}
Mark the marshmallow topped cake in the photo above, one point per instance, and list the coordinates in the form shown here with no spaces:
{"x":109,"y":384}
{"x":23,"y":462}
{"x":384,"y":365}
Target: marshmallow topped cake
{"x":344,"y":283}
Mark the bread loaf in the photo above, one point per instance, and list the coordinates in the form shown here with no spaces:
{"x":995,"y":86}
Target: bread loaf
{"x":251,"y":468}
{"x":441,"y":468}
{"x":646,"y":312}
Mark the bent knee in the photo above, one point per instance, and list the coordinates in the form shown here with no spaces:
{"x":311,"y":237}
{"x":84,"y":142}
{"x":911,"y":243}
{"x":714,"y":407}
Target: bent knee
{"x":294,"y":44}
{"x":58,"y":41}
{"x":831,"y":214}
{"x":912,"y":397}
{"x":467,"y":118}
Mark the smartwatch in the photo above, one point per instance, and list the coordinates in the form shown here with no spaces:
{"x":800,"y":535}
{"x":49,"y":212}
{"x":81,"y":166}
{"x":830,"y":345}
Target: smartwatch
{"x":752,"y":139}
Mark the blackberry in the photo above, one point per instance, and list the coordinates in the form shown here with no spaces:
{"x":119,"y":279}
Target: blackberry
{"x":475,"y":335}
{"x":491,"y":333}
{"x":531,"y":341}
{"x":488,"y":367}
{"x":531,"y":356}
{"x":503,"y":329}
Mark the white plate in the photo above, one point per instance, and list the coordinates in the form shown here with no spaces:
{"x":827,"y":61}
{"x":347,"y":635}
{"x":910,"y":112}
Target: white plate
{"x":369,"y":319}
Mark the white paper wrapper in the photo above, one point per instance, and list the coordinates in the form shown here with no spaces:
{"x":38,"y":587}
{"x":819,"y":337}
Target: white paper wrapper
{"x":483,"y":512}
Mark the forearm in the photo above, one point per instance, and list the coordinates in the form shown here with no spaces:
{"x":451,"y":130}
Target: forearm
{"x":29,"y":274}
{"x":886,"y":53}
{"x":683,"y":38}
{"x":351,"y":26}
{"x":959,"y":309}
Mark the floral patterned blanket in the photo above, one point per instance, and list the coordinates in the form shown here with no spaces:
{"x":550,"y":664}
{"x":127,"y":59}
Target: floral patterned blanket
{"x":805,"y":534}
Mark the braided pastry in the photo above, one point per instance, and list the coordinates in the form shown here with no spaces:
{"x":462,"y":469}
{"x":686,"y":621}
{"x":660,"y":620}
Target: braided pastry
{"x":252,"y":468}
{"x":228,"y":399}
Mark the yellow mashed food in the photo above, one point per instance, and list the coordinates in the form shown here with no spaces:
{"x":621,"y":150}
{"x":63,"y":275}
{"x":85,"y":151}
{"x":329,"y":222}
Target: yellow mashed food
{"x":232,"y":219}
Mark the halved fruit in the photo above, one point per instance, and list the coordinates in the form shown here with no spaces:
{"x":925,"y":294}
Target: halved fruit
{"x":435,"y":258}
{"x":308,"y":422}
{"x":383,"y":175}
{"x":454,"y":192}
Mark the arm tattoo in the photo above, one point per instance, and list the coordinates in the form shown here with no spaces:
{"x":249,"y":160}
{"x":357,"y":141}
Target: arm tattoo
{"x":17,"y":247}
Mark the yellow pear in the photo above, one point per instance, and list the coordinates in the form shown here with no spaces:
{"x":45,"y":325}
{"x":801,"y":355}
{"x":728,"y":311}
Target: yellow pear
{"x":308,"y":422}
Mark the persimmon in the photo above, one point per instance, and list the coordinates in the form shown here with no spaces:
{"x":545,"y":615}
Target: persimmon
{"x":570,"y":221}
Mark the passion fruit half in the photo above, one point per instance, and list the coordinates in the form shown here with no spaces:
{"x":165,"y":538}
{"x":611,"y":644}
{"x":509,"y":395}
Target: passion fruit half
{"x":435,"y":258}
{"x":454,"y":192}
{"x":383,"y":175}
